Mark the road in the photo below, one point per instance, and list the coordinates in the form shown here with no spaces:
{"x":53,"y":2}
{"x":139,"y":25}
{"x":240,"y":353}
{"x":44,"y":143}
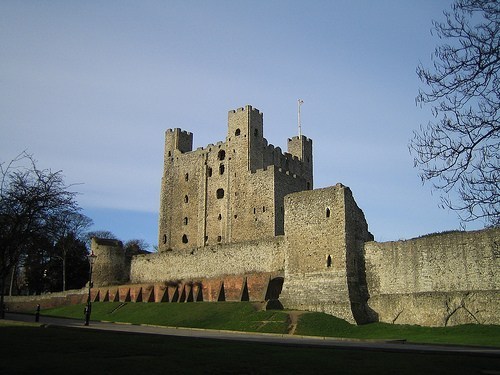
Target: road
{"x":377,"y":345}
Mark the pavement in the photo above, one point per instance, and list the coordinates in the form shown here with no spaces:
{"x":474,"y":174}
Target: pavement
{"x":280,"y":339}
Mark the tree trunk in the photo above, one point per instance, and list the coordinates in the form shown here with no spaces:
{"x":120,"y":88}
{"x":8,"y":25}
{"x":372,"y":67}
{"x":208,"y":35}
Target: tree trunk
{"x":12,"y":274}
{"x":64,"y":271}
{"x":2,"y":291}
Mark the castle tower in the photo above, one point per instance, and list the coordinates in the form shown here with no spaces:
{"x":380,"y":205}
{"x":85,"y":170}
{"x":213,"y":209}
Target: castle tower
{"x":176,"y":142}
{"x":111,"y":266}
{"x":301,"y":147}
{"x":326,"y":261}
{"x":245,"y":133}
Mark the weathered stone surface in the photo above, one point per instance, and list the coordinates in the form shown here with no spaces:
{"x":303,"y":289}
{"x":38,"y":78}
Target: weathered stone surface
{"x":231,"y":191}
{"x":438,"y":309}
{"x":29,"y":303}
{"x":325,"y":232}
{"x":209,"y":262}
{"x":111,"y":266}
{"x":436,"y":280}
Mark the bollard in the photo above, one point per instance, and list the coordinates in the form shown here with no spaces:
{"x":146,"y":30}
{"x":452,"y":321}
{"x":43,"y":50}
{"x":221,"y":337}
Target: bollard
{"x":37,"y":313}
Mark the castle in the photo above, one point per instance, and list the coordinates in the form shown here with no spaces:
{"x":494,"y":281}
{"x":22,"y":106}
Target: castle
{"x":239,"y":220}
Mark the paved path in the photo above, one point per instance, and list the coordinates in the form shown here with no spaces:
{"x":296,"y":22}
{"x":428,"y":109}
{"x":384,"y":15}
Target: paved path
{"x":389,"y":345}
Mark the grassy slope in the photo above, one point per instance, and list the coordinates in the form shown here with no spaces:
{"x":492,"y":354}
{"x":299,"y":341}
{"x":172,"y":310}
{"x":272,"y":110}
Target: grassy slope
{"x":241,"y":316}
{"x":317,"y":324}
{"x":226,"y":315}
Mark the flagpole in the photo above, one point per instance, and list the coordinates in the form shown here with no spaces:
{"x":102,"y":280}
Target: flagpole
{"x":299,"y":103}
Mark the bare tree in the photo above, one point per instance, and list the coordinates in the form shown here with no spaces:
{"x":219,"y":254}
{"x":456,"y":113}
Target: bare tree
{"x":459,"y":151}
{"x":136,"y":246}
{"x":30,"y":199}
{"x":65,"y":228}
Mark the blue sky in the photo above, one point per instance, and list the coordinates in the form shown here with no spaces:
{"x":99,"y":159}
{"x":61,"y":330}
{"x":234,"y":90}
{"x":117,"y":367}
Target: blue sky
{"x":89,"y":87}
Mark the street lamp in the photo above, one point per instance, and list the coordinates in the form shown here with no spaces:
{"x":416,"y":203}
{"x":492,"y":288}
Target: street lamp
{"x":88,"y":309}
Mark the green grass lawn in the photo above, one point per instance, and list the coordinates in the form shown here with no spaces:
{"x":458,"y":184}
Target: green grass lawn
{"x":237,"y":316}
{"x":317,"y":324}
{"x":55,"y":350}
{"x":242,"y":316}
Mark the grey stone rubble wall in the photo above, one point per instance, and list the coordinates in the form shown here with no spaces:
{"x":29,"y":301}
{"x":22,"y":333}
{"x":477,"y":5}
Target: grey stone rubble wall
{"x":209,"y":262}
{"x":438,"y":309}
{"x":436,"y":280}
{"x":318,"y":291}
{"x":112,"y":266}
{"x":316,"y":230}
{"x":46,"y":300}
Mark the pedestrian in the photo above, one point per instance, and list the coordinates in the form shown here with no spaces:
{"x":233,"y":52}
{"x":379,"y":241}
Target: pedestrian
{"x":37,"y":313}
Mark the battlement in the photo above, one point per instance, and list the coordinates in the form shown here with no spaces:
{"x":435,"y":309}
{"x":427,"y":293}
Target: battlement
{"x":178,"y":131}
{"x":178,"y":140}
{"x":246,"y":108}
{"x":302,"y":138}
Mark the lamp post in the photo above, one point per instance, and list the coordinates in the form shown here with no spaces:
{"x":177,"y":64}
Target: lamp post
{"x":88,"y":309}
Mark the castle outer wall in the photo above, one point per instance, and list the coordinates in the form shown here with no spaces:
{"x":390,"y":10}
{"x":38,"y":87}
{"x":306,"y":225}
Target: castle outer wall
{"x":437,"y":280}
{"x":210,"y":262}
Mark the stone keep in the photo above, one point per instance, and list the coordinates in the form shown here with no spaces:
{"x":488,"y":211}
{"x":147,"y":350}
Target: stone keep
{"x":232,"y":191}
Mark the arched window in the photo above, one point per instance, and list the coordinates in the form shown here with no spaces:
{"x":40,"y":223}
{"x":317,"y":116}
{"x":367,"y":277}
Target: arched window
{"x":219,"y":238}
{"x":327,"y":212}
{"x":221,"y":169}
{"x":186,"y":176}
{"x":329,"y":261}
{"x":185,"y":239}
{"x":186,"y":199}
{"x":220,"y":193}
{"x":221,"y":155}
{"x":237,"y":132}
{"x":164,"y":239}
{"x":219,"y":217}
{"x":185,"y":221}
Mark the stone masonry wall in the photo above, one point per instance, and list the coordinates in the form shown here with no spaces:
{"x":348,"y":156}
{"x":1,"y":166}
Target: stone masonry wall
{"x":112,"y":266}
{"x":209,"y":262}
{"x":436,"y":280}
{"x":228,"y":192}
{"x":28,"y":304}
{"x":319,"y":245}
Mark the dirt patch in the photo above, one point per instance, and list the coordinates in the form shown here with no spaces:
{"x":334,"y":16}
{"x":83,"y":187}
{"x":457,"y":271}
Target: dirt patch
{"x":293,"y":318}
{"x":259,"y":306}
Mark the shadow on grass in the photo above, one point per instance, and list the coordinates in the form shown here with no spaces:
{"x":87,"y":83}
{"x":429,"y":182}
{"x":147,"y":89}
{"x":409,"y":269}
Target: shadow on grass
{"x":35,"y":350}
